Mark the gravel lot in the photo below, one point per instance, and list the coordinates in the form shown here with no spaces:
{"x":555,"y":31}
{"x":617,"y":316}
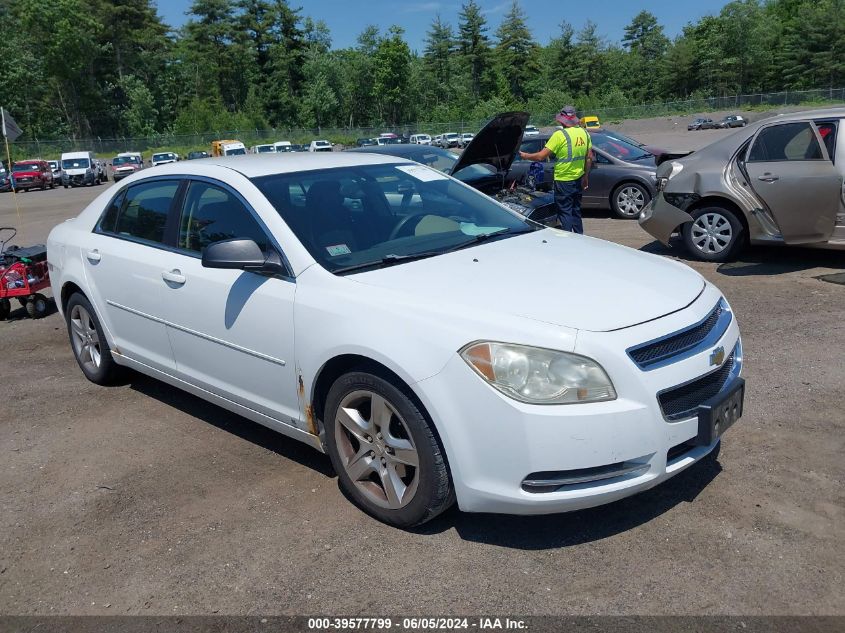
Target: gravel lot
{"x":140,"y":499}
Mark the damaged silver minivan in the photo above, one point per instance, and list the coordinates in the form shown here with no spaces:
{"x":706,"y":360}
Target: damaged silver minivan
{"x":777,"y":181}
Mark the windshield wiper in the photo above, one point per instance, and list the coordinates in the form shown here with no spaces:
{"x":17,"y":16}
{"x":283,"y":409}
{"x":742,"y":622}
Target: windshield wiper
{"x":387,"y":260}
{"x":482,"y":237}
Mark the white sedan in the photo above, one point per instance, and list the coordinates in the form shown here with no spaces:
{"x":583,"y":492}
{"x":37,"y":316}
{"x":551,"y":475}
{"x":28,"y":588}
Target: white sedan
{"x":434,"y":343}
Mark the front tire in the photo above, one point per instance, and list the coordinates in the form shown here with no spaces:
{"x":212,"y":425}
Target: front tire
{"x":37,"y":306}
{"x":628,"y":200}
{"x":384,"y":450}
{"x":714,"y":235}
{"x":88,"y":342}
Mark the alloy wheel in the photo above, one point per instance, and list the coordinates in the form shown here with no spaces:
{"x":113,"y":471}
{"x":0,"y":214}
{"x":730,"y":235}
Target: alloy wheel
{"x":376,"y":449}
{"x":86,"y":339}
{"x":630,"y":200}
{"x":712,"y":233}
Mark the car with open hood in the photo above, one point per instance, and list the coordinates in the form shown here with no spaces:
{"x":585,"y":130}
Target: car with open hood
{"x":776,"y":181}
{"x":393,"y":317}
{"x":622,"y":176}
{"x":485,"y":164}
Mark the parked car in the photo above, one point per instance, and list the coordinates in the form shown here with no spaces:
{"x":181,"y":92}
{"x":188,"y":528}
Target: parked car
{"x":591,"y":123}
{"x":387,"y":140}
{"x":282,"y":146}
{"x":5,"y":180}
{"x":32,"y":174}
{"x":80,"y":168}
{"x":125,"y":165}
{"x":484,"y":165}
{"x":163,"y":158}
{"x":266,"y":148}
{"x":56,"y":168}
{"x":421,"y":139}
{"x":622,"y":178}
{"x":531,"y":130}
{"x":365,"y":142}
{"x":298,"y":148}
{"x":421,"y":350}
{"x":449,"y":139}
{"x":320,"y":146}
{"x":702,"y":124}
{"x":654,"y":150}
{"x":732,"y":121}
{"x":196,"y":154}
{"x":777,"y":181}
{"x":465,"y":139}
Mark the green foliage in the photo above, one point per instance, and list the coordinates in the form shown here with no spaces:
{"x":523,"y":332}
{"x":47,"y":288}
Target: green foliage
{"x":112,"y":68}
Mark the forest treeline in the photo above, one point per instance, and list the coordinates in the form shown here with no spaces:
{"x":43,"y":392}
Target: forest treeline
{"x":106,"y":68}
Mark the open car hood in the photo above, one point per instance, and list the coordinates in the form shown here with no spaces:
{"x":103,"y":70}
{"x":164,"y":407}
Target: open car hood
{"x":496,"y":144}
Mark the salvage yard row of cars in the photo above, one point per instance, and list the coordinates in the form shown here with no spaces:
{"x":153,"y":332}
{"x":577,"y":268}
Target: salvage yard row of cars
{"x":419,"y":357}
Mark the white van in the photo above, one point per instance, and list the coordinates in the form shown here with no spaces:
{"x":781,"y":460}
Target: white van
{"x":320,"y":146}
{"x":283,"y":146}
{"x":266,"y":148}
{"x":80,"y":168}
{"x":421,"y":139}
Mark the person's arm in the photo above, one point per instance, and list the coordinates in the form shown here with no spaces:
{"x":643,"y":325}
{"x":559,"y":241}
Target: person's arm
{"x":588,"y":165}
{"x":542,"y":155}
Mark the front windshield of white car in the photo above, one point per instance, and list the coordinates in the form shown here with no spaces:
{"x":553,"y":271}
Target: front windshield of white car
{"x":76,"y":163}
{"x":356,"y":218}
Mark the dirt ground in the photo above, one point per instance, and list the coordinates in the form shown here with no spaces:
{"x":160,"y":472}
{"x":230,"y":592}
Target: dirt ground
{"x":140,"y":499}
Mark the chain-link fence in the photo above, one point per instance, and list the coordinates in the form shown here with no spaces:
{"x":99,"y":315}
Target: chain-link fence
{"x":183,"y":143}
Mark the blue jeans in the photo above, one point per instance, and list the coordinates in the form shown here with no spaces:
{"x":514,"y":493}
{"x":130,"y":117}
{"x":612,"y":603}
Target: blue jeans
{"x":568,"y":201}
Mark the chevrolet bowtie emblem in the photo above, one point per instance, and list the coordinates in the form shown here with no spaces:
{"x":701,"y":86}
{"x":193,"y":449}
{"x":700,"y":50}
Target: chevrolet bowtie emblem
{"x":717,"y":356}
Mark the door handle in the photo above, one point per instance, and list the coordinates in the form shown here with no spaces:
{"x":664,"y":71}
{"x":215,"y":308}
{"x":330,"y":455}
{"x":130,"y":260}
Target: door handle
{"x":174,"y":276}
{"x":93,"y":256}
{"x":767,"y":178}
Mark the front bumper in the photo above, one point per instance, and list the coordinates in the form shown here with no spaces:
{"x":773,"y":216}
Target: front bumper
{"x":660,"y":219}
{"x":75,"y":180}
{"x":494,"y":444}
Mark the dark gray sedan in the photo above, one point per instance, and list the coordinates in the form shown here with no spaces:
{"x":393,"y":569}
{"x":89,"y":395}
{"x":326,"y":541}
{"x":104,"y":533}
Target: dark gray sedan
{"x":622,"y":178}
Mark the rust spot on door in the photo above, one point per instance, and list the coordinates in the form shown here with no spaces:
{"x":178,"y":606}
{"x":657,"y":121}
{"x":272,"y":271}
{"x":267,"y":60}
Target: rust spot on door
{"x":301,"y":388}
{"x":310,"y":421}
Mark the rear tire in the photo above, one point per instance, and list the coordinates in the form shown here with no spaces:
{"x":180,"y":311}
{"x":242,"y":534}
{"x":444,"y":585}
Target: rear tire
{"x":385,"y":452}
{"x":714,"y":235}
{"x":628,"y":200}
{"x":37,"y":306}
{"x":88,"y":342}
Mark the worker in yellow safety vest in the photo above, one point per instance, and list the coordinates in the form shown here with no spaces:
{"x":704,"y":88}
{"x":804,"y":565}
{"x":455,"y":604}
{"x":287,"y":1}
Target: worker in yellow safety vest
{"x":573,"y":156}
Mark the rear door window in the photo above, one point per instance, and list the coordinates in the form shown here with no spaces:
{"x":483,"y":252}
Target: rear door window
{"x":141,"y":212}
{"x":827,"y":130}
{"x":786,"y":142}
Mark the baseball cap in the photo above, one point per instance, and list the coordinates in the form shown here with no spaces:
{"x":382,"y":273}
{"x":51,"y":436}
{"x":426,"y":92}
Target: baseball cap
{"x":567,"y":116}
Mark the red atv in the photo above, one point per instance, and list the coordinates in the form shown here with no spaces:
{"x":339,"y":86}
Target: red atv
{"x":23,"y":273}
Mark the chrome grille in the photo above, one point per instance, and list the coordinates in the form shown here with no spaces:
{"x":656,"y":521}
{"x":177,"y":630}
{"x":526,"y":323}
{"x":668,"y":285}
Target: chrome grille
{"x":668,"y":348}
{"x":683,"y":401}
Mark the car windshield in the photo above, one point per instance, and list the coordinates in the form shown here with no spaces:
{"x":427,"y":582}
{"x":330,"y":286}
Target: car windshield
{"x":354,"y":218}
{"x":163,"y":157}
{"x":443,"y":160}
{"x":618,"y":147}
{"x":76,"y":163}
{"x":265,"y":149}
{"x":24,"y":167}
{"x":124,"y":160}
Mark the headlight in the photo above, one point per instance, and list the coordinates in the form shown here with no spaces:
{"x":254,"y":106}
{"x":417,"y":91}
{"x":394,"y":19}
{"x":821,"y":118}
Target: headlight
{"x":660,"y":184}
{"x":539,"y":376}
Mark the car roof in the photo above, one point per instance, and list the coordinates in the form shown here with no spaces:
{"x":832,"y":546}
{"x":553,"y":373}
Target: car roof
{"x":256,"y":165}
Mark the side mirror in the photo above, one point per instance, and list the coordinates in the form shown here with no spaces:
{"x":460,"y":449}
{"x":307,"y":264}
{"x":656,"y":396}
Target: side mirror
{"x":241,"y":254}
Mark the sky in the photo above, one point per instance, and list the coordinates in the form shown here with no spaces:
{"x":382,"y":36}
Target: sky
{"x":347,"y":18}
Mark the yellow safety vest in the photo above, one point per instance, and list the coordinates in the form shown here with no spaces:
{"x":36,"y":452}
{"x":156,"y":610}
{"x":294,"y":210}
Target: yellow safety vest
{"x":571,"y":146}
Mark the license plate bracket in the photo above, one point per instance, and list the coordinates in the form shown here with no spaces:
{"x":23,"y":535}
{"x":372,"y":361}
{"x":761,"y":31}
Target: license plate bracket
{"x":719,"y":413}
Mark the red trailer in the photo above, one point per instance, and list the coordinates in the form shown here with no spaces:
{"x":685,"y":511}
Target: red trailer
{"x":23,"y":274}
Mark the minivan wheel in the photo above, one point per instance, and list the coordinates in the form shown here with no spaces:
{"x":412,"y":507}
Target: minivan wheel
{"x":384,"y":451}
{"x":89,"y":344}
{"x":714,"y":234}
{"x":628,"y":200}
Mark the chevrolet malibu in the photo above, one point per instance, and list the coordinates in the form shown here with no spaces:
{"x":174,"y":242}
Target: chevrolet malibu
{"x":379,"y":311}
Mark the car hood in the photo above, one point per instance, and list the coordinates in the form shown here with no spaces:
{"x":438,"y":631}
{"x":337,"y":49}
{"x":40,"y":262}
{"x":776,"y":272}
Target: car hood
{"x":549,"y":276}
{"x":496,"y":144}
{"x":28,"y":172}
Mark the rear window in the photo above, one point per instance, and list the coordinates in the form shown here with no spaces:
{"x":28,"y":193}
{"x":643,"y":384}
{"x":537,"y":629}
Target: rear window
{"x":785,"y":142}
{"x":141,"y":212}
